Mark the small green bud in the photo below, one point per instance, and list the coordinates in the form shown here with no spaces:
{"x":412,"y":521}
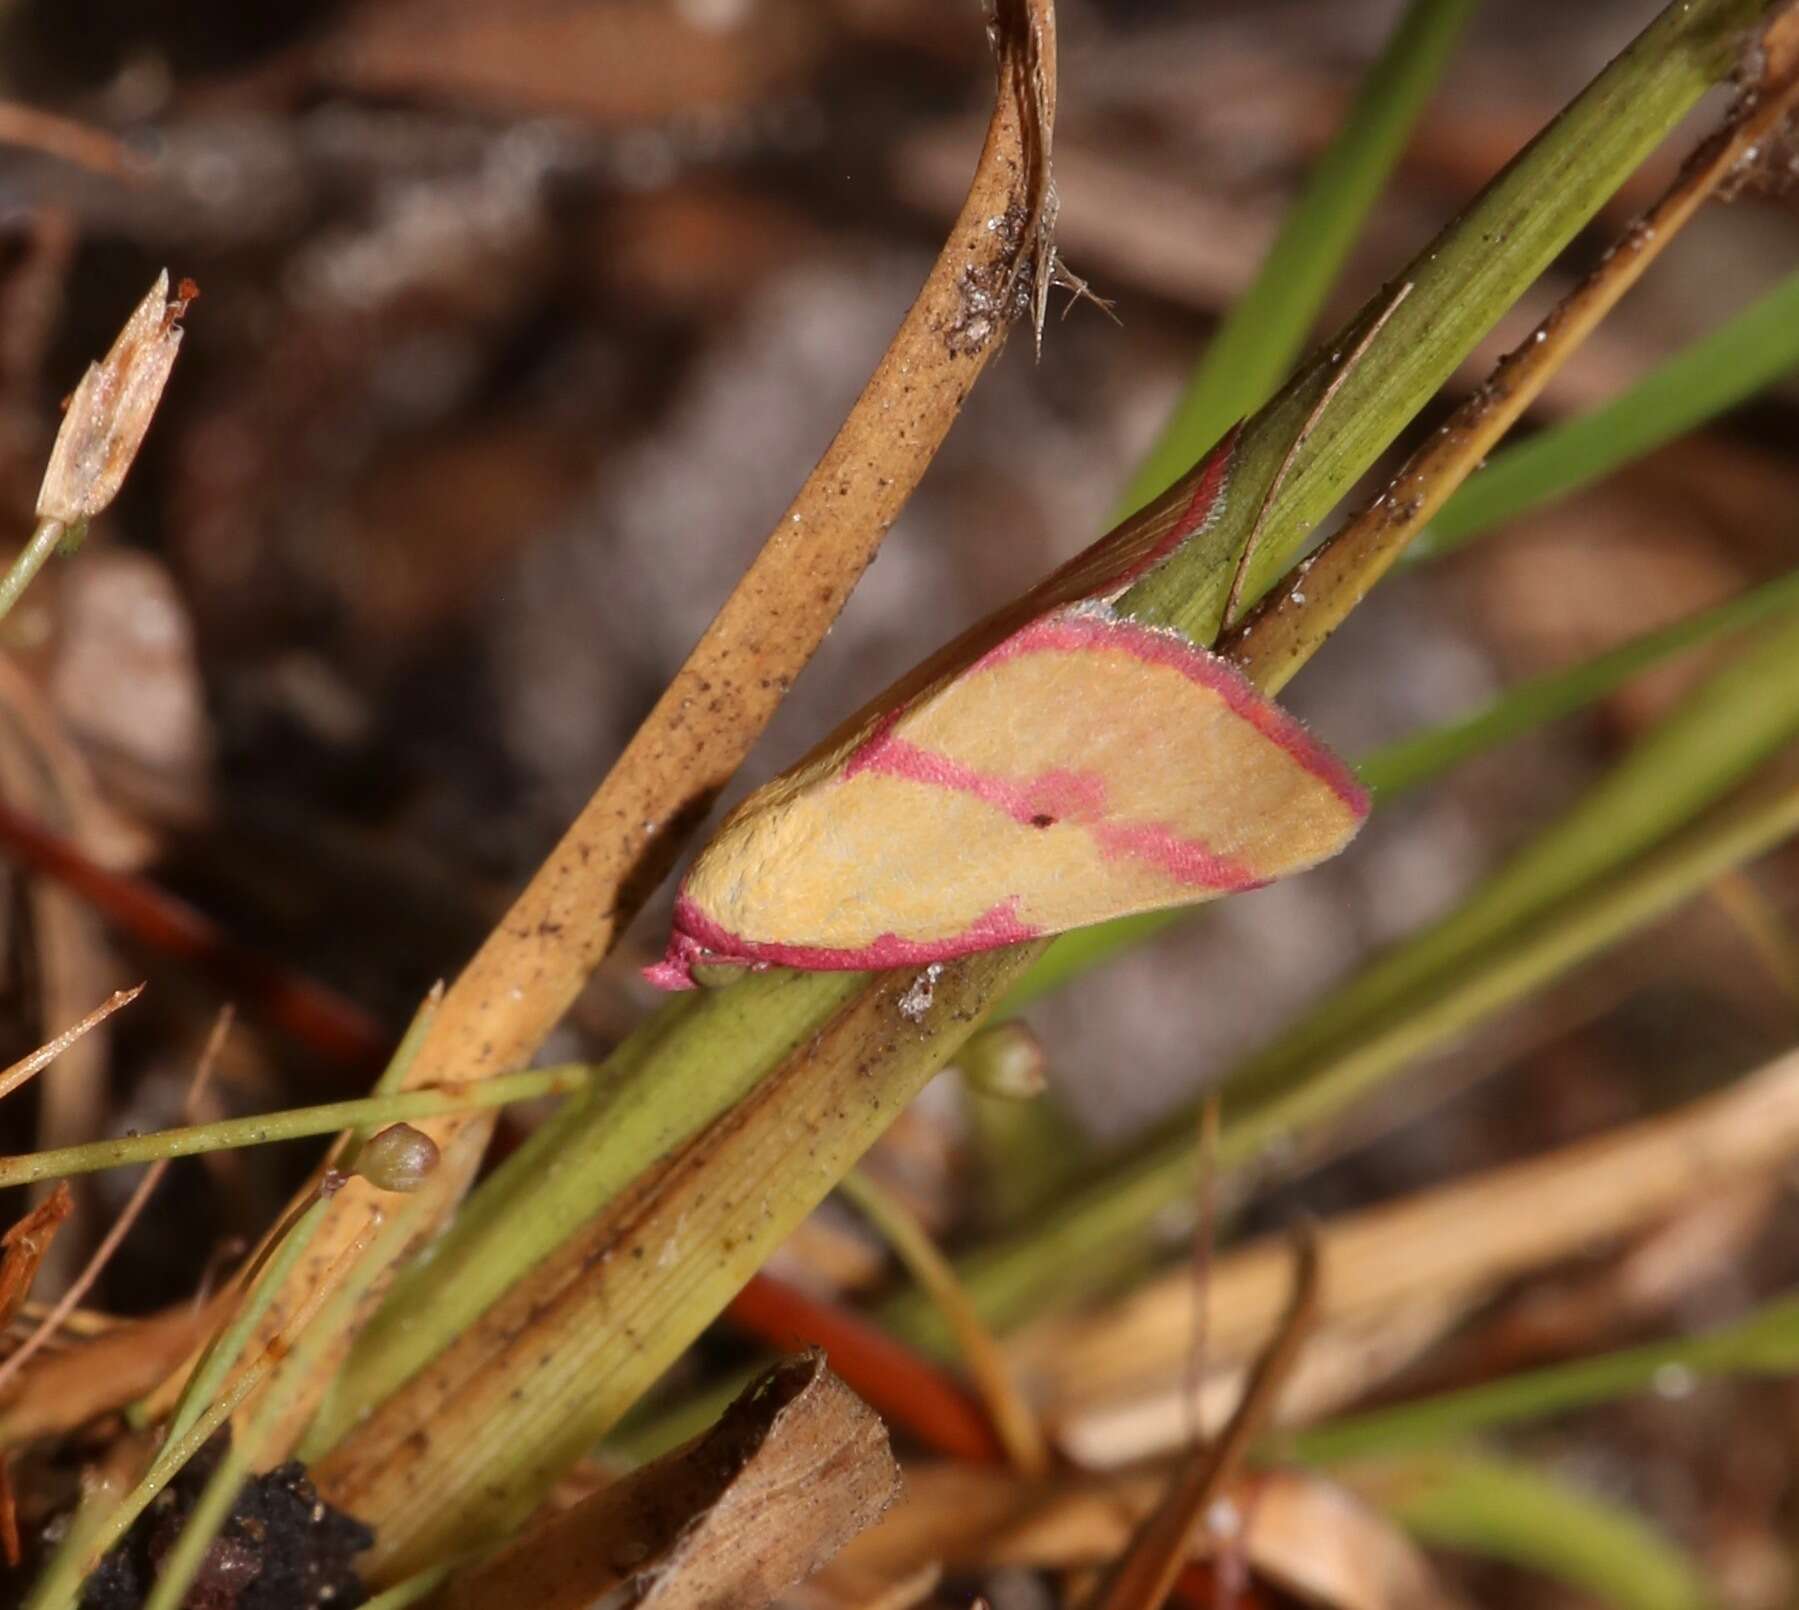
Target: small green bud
{"x":1006,"y":1060}
{"x":400,"y":1158}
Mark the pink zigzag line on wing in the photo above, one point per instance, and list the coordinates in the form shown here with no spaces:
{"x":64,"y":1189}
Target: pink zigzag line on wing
{"x":1074,"y":631}
{"x":697,"y":938}
{"x":1062,"y":796}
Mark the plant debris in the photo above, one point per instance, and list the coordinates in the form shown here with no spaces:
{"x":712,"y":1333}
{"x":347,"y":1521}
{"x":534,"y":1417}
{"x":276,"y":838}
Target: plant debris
{"x":797,"y":1466}
{"x":283,"y":1548}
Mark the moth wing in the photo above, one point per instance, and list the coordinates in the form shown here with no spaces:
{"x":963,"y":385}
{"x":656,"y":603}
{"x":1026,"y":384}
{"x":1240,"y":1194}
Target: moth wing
{"x":1085,"y":768}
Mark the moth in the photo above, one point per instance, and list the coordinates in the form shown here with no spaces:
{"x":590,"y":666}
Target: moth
{"x":1057,"y":765}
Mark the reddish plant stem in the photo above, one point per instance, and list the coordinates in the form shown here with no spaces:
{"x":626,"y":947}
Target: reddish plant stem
{"x":310,"y":1013}
{"x":896,"y":1382}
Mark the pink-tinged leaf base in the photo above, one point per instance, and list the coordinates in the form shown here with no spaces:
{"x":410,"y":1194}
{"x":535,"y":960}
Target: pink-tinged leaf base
{"x":696,"y":940}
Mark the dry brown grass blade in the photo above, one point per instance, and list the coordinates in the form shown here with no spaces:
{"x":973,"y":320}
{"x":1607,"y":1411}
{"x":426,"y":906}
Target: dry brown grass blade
{"x":43,"y":773}
{"x":1112,"y":1381}
{"x":32,"y":129}
{"x":28,"y":1066}
{"x":626,"y":838}
{"x":64,"y":1391}
{"x":22,"y":1248}
{"x":1311,"y":1535}
{"x":532,"y":966}
{"x":1298,"y":614}
{"x":797,"y":1466}
{"x":1163,"y":1545}
{"x":569,"y":1348}
{"x":989,"y":1370}
{"x":628,"y":835}
{"x":119,"y":1228}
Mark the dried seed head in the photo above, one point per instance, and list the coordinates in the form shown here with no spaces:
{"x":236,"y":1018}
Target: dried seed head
{"x":400,"y":1158}
{"x":104,"y":422}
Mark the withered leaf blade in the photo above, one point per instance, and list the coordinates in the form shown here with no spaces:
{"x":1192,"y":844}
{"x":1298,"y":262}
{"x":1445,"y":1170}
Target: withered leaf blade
{"x":1304,"y":1533}
{"x":63,"y":1390}
{"x":22,"y":1248}
{"x":795,"y":1468}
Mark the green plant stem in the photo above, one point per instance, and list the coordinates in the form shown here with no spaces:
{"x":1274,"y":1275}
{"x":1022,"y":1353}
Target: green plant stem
{"x":60,"y":1587}
{"x":249,"y":1447}
{"x":1504,"y":1510}
{"x":293,"y":1124}
{"x":1262,"y":334}
{"x":681,"y":1068}
{"x":44,"y":542}
{"x":204,"y":1407}
{"x":1765,"y":1343}
{"x":1010,"y":1411}
{"x":1703,"y":380}
{"x":217,"y":1361}
{"x":1535,"y":703}
{"x":1302,"y":452}
{"x":1075,"y":1244}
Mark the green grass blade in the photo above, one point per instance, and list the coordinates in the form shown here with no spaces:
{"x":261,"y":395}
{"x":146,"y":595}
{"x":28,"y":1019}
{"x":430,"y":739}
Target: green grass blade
{"x":294,"y":1123}
{"x":1511,"y":934}
{"x":1263,"y":333}
{"x":1508,"y":1511}
{"x":1714,"y":374}
{"x":658,"y":1089}
{"x":1330,"y":422}
{"x":1765,"y":1343}
{"x":1075,"y":1245}
{"x":1534,"y":704}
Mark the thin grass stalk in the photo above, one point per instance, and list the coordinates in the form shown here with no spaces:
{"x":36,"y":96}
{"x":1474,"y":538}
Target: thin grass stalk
{"x":295,"y":1123}
{"x":1073,"y":1246}
{"x":1702,"y":381}
{"x":1014,"y":1421}
{"x":261,"y":1429}
{"x":1507,"y":1510}
{"x":46,"y":538}
{"x":1766,"y":1342}
{"x":60,"y":1585}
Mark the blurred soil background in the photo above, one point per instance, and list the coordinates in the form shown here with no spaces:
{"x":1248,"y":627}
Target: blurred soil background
{"x":521,"y":320}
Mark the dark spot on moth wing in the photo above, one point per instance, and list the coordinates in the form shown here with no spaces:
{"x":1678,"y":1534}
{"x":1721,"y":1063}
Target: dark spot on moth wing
{"x":1041,"y":820}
